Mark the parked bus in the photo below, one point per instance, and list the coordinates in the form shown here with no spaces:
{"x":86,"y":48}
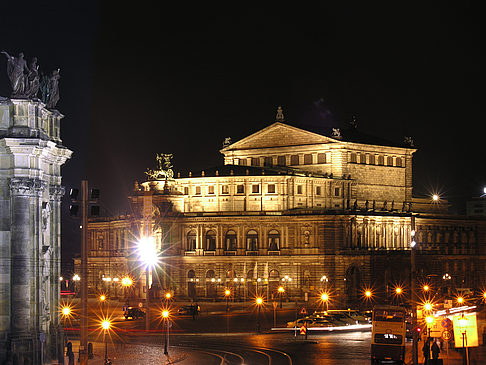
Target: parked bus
{"x":388,"y":334}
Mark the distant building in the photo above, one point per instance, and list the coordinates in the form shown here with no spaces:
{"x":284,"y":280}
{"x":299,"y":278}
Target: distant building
{"x":476,"y":207}
{"x":294,"y":207}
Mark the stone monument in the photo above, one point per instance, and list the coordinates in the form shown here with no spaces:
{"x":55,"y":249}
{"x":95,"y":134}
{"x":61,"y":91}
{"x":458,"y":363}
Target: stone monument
{"x":31,"y":156}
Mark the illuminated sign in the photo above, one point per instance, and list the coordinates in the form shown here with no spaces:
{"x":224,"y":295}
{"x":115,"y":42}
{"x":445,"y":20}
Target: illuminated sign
{"x":465,"y":330}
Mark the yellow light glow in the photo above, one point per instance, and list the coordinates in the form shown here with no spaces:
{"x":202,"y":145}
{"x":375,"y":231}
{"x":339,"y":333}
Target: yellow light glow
{"x":281,"y":289}
{"x":426,"y":287}
{"x":324,"y":297}
{"x":398,"y":290}
{"x":484,"y":295}
{"x":126,"y":281}
{"x":435,"y":197}
{"x":259,"y":300}
{"x":368,"y":293}
{"x":167,"y":295}
{"x":429,"y":319}
{"x":102,"y":298}
{"x":105,"y":324}
{"x":66,"y":311}
{"x":428,"y":306}
{"x":227,"y":292}
{"x":460,"y":300}
{"x":165,"y":313}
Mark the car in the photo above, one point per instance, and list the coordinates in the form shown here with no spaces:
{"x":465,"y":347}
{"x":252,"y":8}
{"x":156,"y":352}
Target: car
{"x":189,"y":310}
{"x":134,"y":313}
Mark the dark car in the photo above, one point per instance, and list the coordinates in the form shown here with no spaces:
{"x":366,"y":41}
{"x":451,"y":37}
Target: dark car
{"x":134,"y":313}
{"x":189,"y":310}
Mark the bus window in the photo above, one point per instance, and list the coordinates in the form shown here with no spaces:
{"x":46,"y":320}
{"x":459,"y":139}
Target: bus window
{"x":388,"y":316}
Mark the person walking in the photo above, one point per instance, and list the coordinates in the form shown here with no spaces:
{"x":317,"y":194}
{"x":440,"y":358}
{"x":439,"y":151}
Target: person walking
{"x":435,"y":350}
{"x":426,"y":351}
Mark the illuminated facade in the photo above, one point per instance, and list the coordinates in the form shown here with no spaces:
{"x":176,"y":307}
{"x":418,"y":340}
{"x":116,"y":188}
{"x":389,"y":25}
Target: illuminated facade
{"x":296,"y":208}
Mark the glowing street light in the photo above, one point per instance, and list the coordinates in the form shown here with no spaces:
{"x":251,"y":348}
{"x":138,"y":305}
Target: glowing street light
{"x":259,"y":303}
{"x":460,"y":300}
{"x":281,"y":291}
{"x":398,"y":290}
{"x":325,"y":299}
{"x":66,"y":311}
{"x":148,"y":255}
{"x":165,"y":315}
{"x":425,"y":287}
{"x":428,"y":306}
{"x":227,"y":294}
{"x":106,"y":325}
{"x":102,"y":298}
{"x":435,"y":197}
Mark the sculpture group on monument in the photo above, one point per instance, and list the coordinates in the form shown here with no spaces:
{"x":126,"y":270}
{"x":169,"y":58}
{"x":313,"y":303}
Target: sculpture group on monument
{"x":26,"y":81}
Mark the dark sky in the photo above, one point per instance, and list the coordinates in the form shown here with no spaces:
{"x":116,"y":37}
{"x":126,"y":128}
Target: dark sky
{"x":139,"y":80}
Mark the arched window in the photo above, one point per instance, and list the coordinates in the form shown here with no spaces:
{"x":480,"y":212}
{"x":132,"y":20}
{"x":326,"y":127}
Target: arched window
{"x":210,"y":241}
{"x":399,"y":162}
{"x":191,"y":241}
{"x":230,"y":242}
{"x":381,"y":160}
{"x":191,"y":274}
{"x":252,"y":240}
{"x":389,"y":161}
{"x":273,"y":240}
{"x":210,"y":274}
{"x":353,"y":158}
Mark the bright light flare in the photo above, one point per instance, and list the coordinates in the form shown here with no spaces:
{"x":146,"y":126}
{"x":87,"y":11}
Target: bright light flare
{"x":429,"y":319}
{"x":227,"y":292}
{"x":102,"y":298}
{"x":105,"y":324}
{"x":324,"y":297}
{"x":259,"y":301}
{"x":428,"y":306}
{"x":127,"y":281}
{"x":435,"y":197}
{"x":168,"y":295}
{"x":165,"y":313}
{"x":426,"y":287}
{"x":460,"y":300}
{"x":147,"y":251}
{"x":281,"y":289}
{"x":398,"y":290}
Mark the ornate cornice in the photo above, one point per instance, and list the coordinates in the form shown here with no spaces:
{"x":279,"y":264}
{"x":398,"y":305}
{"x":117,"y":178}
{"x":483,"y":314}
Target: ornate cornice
{"x":24,"y":186}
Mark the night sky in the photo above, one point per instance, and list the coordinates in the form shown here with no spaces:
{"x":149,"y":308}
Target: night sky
{"x":139,"y":80}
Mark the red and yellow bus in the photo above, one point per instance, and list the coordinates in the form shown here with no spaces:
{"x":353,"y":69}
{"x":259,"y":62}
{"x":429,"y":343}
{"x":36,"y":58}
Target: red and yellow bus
{"x":388,"y":333}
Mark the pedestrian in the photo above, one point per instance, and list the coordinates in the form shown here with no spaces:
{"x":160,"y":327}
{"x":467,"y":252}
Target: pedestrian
{"x":71,"y":358}
{"x":426,"y":351}
{"x":435,"y":350}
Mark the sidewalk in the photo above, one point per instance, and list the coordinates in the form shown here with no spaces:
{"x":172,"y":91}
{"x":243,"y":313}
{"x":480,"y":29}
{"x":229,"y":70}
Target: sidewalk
{"x":477,"y":356}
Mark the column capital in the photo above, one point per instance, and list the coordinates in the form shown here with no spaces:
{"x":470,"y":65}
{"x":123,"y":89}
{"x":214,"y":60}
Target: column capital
{"x":56,"y":192}
{"x":25,"y":186}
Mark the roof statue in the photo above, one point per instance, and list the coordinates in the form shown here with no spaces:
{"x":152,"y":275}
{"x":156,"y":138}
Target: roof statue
{"x":164,"y":171}
{"x":226,"y":142}
{"x":279,"y":117}
{"x":408,"y":141}
{"x":49,"y":87}
{"x":336,"y":133}
{"x":23,"y":79}
{"x":353,"y":123}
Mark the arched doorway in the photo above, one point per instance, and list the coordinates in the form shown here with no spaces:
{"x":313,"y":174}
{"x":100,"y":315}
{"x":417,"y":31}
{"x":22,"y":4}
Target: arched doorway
{"x":353,"y":284}
{"x":211,"y":286}
{"x":191,"y":284}
{"x":273,"y":284}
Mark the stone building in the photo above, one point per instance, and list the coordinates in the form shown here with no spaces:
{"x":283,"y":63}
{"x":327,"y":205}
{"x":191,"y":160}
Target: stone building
{"x":294,"y":207}
{"x":31,"y":156}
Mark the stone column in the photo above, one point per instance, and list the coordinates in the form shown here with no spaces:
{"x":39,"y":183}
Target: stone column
{"x":21,"y":190}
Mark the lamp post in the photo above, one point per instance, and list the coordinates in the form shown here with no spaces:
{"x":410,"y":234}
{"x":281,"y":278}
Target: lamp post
{"x":165,"y":315}
{"x":259,"y":303}
{"x":281,"y":292}
{"x":105,"y":325}
{"x":463,"y":324}
{"x":412,"y":288}
{"x":148,"y":255}
{"x":325,"y":300}
{"x":227,"y":294}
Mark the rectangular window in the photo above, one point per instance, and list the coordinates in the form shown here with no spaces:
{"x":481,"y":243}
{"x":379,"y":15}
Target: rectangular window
{"x":186,"y":190}
{"x":399,"y":162}
{"x":211,"y":189}
{"x":372,"y":159}
{"x":198,"y":190}
{"x":255,"y":189}
{"x":240,"y":189}
{"x":299,"y":189}
{"x":336,"y":191}
{"x":268,"y":161}
{"x":381,"y":160}
{"x":281,"y":161}
{"x":308,"y":159}
{"x":318,"y":190}
{"x":294,"y":159}
{"x":271,"y":189}
{"x":224,"y":189}
{"x":321,"y":158}
{"x":255,"y":161}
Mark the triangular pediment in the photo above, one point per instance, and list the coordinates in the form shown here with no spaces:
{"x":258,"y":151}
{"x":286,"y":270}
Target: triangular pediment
{"x":278,"y":135}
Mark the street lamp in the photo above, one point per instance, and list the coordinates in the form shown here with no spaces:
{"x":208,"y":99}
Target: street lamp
{"x":259,"y":303}
{"x":460,"y":300}
{"x":281,"y":291}
{"x":105,"y":325}
{"x":325,"y":299}
{"x":126,"y":283}
{"x":148,"y":255}
{"x":227,"y":294}
{"x":165,"y":315}
{"x":463,"y":327}
{"x":430,"y":321}
{"x":425,"y":288}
